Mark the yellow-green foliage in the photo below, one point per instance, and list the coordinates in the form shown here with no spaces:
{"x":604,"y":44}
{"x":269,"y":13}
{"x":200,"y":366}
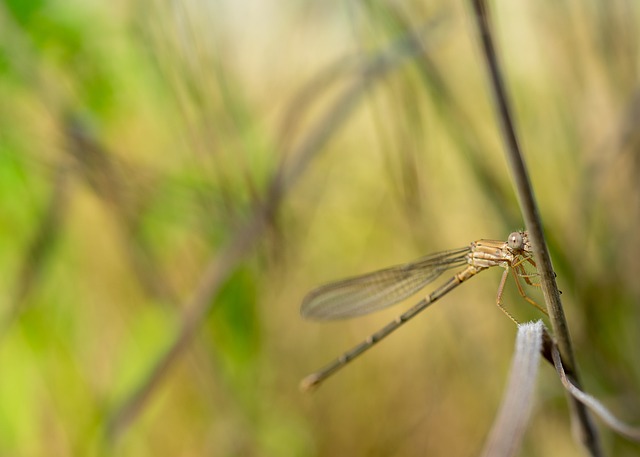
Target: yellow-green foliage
{"x":137,"y":140}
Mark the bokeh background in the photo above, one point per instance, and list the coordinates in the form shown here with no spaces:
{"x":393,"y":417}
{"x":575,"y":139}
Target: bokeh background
{"x":139,"y":140}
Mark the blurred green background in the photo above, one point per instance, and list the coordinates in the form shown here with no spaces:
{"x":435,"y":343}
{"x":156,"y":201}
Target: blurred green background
{"x":137,"y":140}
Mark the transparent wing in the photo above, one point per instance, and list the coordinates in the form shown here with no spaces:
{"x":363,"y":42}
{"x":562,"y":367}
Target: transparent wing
{"x":373,"y":291}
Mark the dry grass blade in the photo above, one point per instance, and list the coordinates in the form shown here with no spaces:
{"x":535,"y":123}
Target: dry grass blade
{"x":510,"y":424}
{"x":509,"y":427}
{"x":633,"y":433}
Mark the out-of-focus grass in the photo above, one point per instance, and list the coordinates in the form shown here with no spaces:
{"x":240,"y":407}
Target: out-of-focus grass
{"x":179,"y":111}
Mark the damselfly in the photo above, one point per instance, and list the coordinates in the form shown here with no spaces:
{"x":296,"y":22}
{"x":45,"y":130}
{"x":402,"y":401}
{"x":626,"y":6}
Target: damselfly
{"x":373,"y":291}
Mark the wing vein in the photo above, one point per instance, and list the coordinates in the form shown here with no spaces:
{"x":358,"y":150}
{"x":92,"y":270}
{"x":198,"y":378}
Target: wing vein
{"x":380,"y":289}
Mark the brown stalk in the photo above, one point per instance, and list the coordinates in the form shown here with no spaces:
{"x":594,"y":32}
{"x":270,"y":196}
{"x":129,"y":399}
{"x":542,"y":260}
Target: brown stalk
{"x":587,"y":432}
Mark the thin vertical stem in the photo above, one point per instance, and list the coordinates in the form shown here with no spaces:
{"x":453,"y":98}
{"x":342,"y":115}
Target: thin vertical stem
{"x":588,"y":433}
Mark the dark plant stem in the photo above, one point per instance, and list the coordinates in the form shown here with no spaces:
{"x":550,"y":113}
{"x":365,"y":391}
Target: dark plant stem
{"x":582,"y":420}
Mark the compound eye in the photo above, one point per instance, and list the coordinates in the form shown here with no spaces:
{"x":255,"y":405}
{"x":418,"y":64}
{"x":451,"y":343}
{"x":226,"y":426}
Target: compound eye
{"x":515,"y":241}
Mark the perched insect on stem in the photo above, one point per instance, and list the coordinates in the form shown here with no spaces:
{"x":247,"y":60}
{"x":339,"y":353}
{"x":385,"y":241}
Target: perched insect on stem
{"x":373,"y":291}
